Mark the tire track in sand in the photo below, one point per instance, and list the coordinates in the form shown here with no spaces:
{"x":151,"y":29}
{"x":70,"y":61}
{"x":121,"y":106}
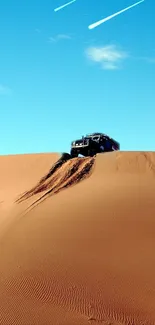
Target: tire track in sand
{"x":63,"y":174}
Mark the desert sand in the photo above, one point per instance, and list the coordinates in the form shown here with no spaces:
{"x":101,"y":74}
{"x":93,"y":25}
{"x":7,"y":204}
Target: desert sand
{"x":77,"y":242}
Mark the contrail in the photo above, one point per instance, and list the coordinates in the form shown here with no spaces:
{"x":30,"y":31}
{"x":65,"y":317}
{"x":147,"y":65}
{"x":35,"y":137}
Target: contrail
{"x":65,"y":5}
{"x":111,"y":16}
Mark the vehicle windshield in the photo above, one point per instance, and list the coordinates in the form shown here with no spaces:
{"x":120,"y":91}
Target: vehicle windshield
{"x":96,"y":138}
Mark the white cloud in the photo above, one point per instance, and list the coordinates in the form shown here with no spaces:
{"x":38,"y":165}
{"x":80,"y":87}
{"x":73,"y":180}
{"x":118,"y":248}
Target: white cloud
{"x":108,"y":56}
{"x":59,"y":37}
{"x":4,"y":90}
{"x":63,"y":36}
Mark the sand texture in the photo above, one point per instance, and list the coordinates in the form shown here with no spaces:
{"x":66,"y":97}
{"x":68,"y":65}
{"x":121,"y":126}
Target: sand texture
{"x":77,"y":239}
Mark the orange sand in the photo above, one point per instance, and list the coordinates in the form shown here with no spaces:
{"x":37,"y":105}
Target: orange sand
{"x":77,"y":246}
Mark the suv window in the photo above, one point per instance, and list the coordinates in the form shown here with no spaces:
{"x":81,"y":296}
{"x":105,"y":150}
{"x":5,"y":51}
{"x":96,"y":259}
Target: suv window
{"x":96,"y":138}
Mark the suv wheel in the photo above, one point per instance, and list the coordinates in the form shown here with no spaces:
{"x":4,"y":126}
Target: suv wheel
{"x":74,"y":153}
{"x":91,"y":152}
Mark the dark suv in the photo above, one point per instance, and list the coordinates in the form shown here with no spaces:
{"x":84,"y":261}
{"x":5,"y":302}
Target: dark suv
{"x":92,"y":144}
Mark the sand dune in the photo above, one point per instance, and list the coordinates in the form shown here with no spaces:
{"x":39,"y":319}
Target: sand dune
{"x":85,"y":253}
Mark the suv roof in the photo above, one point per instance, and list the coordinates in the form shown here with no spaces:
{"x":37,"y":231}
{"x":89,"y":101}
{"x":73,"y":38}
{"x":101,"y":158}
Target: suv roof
{"x":96,"y":134}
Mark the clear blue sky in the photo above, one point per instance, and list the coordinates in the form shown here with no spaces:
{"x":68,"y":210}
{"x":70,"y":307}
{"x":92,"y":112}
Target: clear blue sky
{"x":53,"y":91}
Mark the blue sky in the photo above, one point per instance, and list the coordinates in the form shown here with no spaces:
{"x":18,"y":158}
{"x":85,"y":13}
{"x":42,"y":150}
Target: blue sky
{"x":59,"y":80}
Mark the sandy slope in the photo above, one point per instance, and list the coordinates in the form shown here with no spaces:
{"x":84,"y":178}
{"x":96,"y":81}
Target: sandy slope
{"x":82,"y":254}
{"x":18,"y":172}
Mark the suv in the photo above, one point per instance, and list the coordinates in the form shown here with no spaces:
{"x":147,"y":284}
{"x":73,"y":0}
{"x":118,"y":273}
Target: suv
{"x":92,"y":144}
